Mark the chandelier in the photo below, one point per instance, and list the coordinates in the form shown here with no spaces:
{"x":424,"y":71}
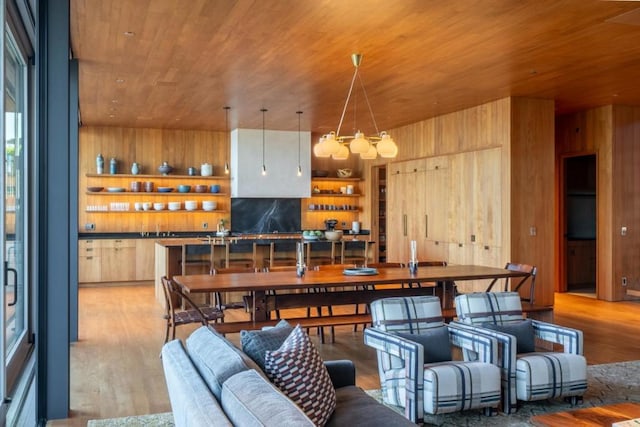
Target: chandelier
{"x":338,"y":146}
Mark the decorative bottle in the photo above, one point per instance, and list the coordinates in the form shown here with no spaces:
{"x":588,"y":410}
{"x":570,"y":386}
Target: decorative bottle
{"x":113,"y":166}
{"x":99,"y":164}
{"x":135,"y":169}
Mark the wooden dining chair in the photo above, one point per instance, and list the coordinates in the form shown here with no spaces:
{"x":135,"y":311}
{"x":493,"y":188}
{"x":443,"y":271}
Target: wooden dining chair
{"x":177,"y":317}
{"x":526,"y":295}
{"x":232,"y":304}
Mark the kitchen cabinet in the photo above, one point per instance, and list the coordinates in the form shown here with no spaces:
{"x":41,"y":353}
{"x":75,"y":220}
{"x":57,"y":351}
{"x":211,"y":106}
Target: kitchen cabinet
{"x":451,"y":205}
{"x":145,"y":256}
{"x":115,"y":211}
{"x":118,"y":260}
{"x":89,"y":261}
{"x":115,"y":260}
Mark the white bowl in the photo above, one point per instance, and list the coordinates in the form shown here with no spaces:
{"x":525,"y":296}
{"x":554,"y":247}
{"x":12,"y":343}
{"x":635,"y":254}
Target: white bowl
{"x":191,"y":205}
{"x":146,"y":206}
{"x":333,"y":235}
{"x":209,"y":205}
{"x":174,"y":206}
{"x":158,"y":206}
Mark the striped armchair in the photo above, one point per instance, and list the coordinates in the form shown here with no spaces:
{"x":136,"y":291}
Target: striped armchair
{"x":401,"y":328}
{"x":527,"y":375}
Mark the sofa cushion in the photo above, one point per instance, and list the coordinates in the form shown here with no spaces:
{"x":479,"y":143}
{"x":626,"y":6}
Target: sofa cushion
{"x":249,"y":399}
{"x":256,"y":343}
{"x":435,"y":342}
{"x":522,"y":330}
{"x":216,"y":358}
{"x":356,"y":408}
{"x":192,"y":403}
{"x":296,"y":368}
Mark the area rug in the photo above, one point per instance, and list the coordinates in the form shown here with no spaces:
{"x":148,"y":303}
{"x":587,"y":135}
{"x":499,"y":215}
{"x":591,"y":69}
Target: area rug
{"x":608,"y":383}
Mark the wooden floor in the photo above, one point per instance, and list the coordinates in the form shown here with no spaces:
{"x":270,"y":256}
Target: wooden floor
{"x":116,"y":369}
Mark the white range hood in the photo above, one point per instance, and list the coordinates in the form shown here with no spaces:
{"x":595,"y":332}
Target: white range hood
{"x":280,"y":159}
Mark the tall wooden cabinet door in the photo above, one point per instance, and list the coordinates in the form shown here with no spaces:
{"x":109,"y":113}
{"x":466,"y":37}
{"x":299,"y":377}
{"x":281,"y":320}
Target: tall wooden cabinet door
{"x":487,"y":197}
{"x":436,"y":204}
{"x":145,"y":257}
{"x":435,"y":251}
{"x":118,"y":260}
{"x":396,"y":214}
{"x":460,"y":215}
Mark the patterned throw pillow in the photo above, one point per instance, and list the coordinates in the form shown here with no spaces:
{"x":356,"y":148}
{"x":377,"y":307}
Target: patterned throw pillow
{"x":296,"y":368}
{"x":256,"y":343}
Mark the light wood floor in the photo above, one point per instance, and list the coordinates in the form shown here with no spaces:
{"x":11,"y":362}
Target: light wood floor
{"x":116,"y":369}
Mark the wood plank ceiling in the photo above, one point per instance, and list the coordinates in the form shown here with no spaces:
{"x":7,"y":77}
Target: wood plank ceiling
{"x":176,"y":63}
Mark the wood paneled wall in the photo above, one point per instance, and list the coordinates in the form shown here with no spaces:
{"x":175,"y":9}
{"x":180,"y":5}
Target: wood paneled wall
{"x":626,"y":199}
{"x":533,"y":201}
{"x":523,"y":130}
{"x":149,"y":148}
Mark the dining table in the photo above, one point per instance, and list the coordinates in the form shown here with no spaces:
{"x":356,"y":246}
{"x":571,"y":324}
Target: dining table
{"x":335,"y":286}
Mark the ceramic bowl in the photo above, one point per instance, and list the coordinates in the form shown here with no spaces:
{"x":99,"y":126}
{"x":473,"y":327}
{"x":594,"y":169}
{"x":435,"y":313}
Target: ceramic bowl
{"x":215,"y":188}
{"x":184,"y":188}
{"x":95,"y":189}
{"x":191,"y":205}
{"x":200,"y":188}
{"x":158,"y":206}
{"x":209,"y":205}
{"x":146,"y":206}
{"x":333,"y":235}
{"x":174,"y":206}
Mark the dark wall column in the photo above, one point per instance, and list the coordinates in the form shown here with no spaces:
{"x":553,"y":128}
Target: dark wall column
{"x":55,"y":208}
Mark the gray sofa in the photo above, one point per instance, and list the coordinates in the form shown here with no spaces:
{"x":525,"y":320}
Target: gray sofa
{"x":213,"y":383}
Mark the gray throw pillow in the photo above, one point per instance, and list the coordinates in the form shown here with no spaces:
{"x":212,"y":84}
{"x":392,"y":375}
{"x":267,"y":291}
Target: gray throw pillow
{"x":435,"y":341}
{"x":523,"y":331}
{"x":256,"y":343}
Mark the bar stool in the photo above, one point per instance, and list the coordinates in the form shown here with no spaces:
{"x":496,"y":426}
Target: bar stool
{"x":320,"y":253}
{"x":282,"y":252}
{"x":236,"y":254}
{"x":354,"y":251}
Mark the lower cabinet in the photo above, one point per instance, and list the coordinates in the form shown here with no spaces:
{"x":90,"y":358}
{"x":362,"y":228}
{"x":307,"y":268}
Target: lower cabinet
{"x":115,"y":260}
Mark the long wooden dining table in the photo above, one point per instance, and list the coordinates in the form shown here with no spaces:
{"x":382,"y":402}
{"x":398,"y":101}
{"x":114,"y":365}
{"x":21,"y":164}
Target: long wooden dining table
{"x":328,"y":287}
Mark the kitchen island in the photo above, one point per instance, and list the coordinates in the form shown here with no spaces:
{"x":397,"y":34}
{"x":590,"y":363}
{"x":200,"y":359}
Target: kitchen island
{"x":203,"y":253}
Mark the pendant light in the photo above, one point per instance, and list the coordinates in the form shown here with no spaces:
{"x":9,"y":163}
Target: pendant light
{"x":264,"y":166}
{"x":299,"y":113}
{"x":226,"y":120}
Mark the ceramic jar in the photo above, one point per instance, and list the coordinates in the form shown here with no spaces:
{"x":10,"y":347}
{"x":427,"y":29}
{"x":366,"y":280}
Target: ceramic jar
{"x":206,"y":169}
{"x":135,"y":168}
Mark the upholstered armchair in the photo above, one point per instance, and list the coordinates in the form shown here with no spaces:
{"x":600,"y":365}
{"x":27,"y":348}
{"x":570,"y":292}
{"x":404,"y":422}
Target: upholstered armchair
{"x":413,"y":347}
{"x":526,"y":374}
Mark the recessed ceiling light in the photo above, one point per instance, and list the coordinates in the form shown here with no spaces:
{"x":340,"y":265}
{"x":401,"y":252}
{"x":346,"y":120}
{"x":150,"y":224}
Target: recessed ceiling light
{"x":129,"y":33}
{"x":112,"y":115}
{"x":119,"y":80}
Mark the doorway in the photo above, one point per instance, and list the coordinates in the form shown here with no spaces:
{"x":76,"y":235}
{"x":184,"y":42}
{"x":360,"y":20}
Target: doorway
{"x":580,"y":224}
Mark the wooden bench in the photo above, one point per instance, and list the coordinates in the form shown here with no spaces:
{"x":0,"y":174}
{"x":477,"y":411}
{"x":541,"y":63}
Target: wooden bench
{"x":350,"y":319}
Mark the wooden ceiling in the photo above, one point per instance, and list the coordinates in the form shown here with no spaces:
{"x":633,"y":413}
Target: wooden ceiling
{"x":186,"y":60}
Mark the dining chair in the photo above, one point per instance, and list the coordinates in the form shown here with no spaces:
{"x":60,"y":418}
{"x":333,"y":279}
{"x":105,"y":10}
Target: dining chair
{"x":527,"y":283}
{"x":244,"y":303}
{"x":177,"y":317}
{"x":282,"y":252}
